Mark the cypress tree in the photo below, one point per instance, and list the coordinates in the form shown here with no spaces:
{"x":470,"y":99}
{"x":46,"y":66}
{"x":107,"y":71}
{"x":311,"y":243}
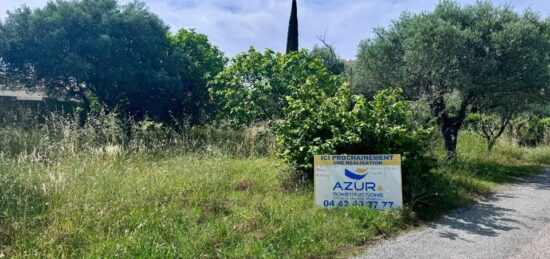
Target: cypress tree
{"x":292,"y":40}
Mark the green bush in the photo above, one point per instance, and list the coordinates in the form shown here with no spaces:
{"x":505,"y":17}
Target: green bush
{"x":472,"y":121}
{"x":544,"y":131}
{"x":318,"y":124}
{"x":531,"y":132}
{"x":254,"y":87}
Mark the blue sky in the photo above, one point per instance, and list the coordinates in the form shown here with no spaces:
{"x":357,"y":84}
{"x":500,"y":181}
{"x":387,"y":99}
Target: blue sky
{"x":234,"y":25}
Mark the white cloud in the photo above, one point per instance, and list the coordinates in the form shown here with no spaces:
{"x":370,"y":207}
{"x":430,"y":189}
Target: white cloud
{"x":237,"y":24}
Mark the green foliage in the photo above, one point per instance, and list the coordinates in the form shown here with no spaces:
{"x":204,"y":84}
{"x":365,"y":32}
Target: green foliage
{"x":317,"y":123}
{"x":531,"y":132}
{"x":122,"y":54}
{"x":480,"y":48}
{"x":140,"y":205}
{"x":78,"y":47}
{"x":328,"y":56}
{"x":199,"y":194}
{"x":26,"y":114}
{"x":472,"y":53}
{"x":48,"y":134}
{"x":195,"y":61}
{"x":255,"y":86}
{"x":476,"y":172}
{"x":490,"y":125}
{"x":473,"y":120}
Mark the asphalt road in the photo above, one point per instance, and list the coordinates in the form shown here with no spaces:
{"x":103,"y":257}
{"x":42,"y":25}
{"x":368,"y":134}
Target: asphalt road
{"x":514,"y":223}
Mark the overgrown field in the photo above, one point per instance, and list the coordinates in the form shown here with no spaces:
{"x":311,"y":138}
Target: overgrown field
{"x":223,"y":195}
{"x":153,"y":143}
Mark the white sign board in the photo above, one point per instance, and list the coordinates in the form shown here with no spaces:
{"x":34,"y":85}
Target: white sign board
{"x":358,"y":180}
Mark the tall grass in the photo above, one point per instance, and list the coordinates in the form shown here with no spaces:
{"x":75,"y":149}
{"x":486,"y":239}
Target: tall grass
{"x":59,"y":134}
{"x":118,"y":188}
{"x":184,"y":206}
{"x":103,"y":190}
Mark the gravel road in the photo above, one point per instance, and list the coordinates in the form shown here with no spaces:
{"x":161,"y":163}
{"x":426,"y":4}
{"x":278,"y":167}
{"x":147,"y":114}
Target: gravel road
{"x":514,"y":223}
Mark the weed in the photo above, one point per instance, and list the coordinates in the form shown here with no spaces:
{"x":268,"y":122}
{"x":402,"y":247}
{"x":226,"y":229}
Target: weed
{"x":203,"y":192}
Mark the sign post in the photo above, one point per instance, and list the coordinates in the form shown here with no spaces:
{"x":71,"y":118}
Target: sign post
{"x":358,"y":180}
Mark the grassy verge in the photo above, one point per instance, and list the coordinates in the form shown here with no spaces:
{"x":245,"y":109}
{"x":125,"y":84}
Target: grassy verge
{"x":188,"y":206}
{"x":179,"y":204}
{"x":477,"y":172}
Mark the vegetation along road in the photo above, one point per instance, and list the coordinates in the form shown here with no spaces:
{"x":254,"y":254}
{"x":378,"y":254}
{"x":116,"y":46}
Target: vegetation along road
{"x":514,"y":223}
{"x":151,"y":142}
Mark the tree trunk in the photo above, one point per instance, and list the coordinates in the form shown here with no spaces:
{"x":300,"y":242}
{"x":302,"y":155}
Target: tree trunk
{"x":86,"y":107}
{"x":491,"y":144}
{"x":489,"y":131}
{"x":450,"y":125}
{"x":450,"y":136}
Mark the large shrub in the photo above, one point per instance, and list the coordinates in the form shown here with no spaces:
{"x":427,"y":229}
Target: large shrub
{"x":194,"y":61}
{"x":317,"y":123}
{"x":254,"y":87}
{"x":531,"y":132}
{"x":122,"y":55}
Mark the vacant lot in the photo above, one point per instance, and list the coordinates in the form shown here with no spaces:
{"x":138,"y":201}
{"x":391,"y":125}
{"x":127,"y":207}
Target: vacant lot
{"x":112,"y":202}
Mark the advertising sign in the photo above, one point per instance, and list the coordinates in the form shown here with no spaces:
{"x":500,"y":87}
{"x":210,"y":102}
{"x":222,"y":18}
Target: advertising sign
{"x":358,"y":180}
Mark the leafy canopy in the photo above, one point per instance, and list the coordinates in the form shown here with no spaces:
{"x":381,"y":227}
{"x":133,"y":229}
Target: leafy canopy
{"x":330,"y":58}
{"x":122,"y":55}
{"x":317,"y":123}
{"x":195,"y":61}
{"x":255,"y":86}
{"x":456,"y":56}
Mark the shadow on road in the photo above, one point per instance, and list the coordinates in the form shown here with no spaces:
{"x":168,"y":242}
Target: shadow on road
{"x":490,"y":217}
{"x":487,"y":220}
{"x":540,"y":182}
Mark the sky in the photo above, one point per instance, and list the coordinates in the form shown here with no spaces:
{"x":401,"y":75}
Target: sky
{"x":235,"y":25}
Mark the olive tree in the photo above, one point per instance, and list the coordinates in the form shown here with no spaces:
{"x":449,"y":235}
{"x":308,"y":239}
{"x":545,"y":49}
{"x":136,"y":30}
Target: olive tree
{"x":457,"y":56}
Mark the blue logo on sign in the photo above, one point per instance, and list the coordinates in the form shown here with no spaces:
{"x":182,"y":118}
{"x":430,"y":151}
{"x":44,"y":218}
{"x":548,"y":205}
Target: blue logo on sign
{"x":359,"y":175}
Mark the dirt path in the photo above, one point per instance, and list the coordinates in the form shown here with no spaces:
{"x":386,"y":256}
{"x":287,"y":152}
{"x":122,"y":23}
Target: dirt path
{"x":514,"y":223}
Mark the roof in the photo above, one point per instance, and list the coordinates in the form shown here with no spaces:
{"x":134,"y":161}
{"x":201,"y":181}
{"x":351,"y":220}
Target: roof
{"x":22,"y":95}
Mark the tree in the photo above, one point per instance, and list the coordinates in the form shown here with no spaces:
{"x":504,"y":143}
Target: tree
{"x":195,"y":61}
{"x":292,"y":39}
{"x":255,"y":86}
{"x":496,"y":111}
{"x":457,"y":56}
{"x":327,"y":54}
{"x":83,"y":48}
{"x":123,"y":55}
{"x":491,"y":125}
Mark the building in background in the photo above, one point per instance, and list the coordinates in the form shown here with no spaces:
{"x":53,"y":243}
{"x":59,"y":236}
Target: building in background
{"x":21,"y":95}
